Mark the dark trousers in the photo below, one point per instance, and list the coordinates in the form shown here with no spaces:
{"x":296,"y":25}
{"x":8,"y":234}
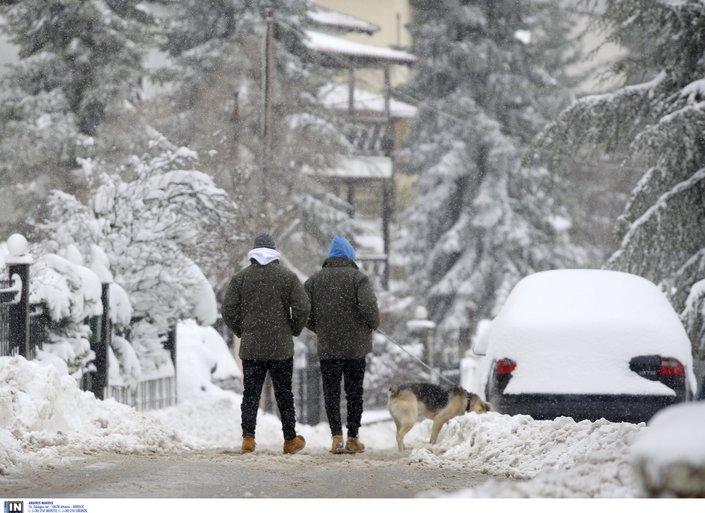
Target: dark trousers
{"x":254,"y":373}
{"x":352,"y":373}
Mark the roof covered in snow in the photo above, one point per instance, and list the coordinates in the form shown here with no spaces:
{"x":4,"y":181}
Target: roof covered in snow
{"x":340,"y":21}
{"x":337,"y":97}
{"x":343,"y":53}
{"x":357,"y":168}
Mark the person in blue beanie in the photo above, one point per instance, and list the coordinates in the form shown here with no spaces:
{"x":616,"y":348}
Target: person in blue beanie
{"x":344,"y":313}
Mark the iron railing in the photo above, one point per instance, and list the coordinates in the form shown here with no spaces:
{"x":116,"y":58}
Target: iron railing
{"x":150,"y":394}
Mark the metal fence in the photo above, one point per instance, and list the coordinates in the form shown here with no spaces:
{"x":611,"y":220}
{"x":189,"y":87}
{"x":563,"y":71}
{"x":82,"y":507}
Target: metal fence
{"x":151,"y":394}
{"x":307,"y":394}
{"x":38,"y":332}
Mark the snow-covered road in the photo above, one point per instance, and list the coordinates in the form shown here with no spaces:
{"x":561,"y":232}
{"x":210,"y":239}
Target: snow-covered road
{"x":227,"y":474}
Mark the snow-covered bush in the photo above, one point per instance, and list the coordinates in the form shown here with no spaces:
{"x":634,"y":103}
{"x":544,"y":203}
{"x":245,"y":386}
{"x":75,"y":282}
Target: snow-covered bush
{"x":71,"y":294}
{"x":123,"y":365}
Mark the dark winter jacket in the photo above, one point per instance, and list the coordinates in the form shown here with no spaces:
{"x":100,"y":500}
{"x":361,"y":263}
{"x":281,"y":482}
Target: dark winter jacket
{"x":344,"y":309}
{"x":265,"y":305}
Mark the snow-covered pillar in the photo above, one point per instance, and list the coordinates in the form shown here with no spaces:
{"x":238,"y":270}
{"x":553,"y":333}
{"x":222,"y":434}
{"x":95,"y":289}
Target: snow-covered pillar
{"x":18,"y":261}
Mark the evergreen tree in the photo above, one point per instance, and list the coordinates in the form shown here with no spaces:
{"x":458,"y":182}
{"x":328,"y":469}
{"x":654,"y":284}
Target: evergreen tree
{"x":80,"y":63}
{"x":658,"y":124}
{"x":482,"y":221}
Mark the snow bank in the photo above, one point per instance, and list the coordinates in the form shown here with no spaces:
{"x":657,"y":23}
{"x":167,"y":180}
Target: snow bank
{"x":558,"y":458}
{"x":45,"y":419}
{"x":202,"y":356}
{"x":669,"y":456}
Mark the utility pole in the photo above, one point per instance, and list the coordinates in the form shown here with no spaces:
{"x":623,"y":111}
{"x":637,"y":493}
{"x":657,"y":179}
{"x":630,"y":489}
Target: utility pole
{"x":267,"y":400}
{"x":267,"y":80}
{"x":235,"y":124}
{"x":267,"y":87}
{"x":388,"y":185}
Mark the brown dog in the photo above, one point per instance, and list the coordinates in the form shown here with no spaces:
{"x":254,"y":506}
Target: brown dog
{"x":434,"y":402}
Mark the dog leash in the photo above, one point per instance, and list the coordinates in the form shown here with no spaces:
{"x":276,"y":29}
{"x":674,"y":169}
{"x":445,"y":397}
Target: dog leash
{"x":415,"y":358}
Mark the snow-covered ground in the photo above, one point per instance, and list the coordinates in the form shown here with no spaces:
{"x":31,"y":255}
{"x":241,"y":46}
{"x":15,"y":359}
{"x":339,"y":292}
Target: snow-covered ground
{"x":47,"y":421}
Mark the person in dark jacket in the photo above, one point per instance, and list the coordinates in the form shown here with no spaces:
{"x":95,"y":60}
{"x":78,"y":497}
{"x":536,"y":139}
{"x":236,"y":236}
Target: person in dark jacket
{"x":344,"y":314}
{"x":265,"y":305}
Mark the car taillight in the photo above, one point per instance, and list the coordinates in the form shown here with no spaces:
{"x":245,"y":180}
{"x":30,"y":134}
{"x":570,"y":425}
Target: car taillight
{"x":505,"y":366}
{"x":671,"y":367}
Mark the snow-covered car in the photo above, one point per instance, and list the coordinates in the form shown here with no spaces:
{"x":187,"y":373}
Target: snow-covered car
{"x":586,"y":344}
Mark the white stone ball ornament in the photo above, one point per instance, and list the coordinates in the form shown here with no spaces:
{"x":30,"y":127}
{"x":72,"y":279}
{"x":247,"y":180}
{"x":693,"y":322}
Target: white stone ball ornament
{"x":17,"y":245}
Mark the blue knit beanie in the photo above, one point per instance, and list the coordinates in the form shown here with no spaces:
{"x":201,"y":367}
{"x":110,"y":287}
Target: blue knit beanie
{"x":340,"y":247}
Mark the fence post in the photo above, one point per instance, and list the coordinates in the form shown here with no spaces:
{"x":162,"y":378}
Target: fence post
{"x":99,"y":383}
{"x":313,"y":391}
{"x":170,"y":345}
{"x":18,"y":261}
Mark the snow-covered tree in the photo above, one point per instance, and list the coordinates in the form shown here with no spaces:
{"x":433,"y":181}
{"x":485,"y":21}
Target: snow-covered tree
{"x":79,"y":63}
{"x":216,"y":51}
{"x":658,"y":124}
{"x":490,"y":74}
{"x":163,"y":226}
{"x":215,"y":102}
